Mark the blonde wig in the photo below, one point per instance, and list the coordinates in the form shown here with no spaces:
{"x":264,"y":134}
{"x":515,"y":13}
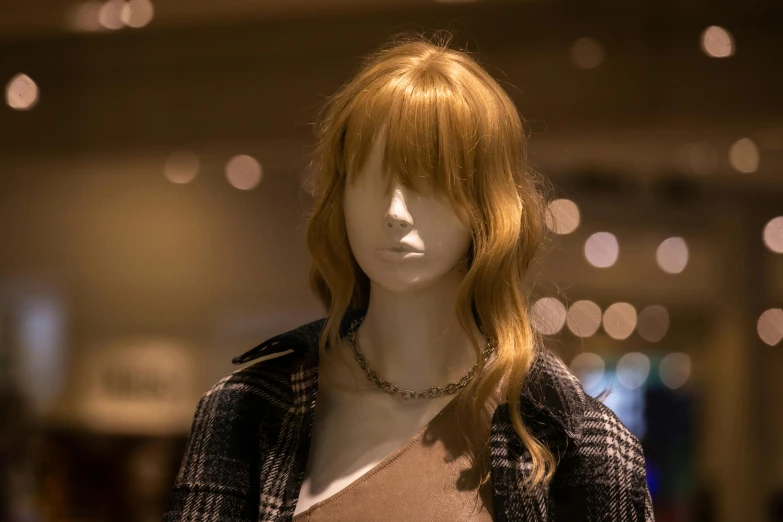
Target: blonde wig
{"x":450,"y":127}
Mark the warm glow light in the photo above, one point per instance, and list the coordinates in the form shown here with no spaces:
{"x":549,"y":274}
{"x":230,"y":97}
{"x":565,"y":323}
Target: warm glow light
{"x":653,"y":323}
{"x":672,"y":255}
{"x":770,"y":326}
{"x":109,"y":15}
{"x":85,"y":16}
{"x":744,"y":156}
{"x":773,"y":235}
{"x":717,"y":42}
{"x":674,"y":370}
{"x":589,"y":368}
{"x":563,"y":216}
{"x":137,"y":13}
{"x":699,"y":158}
{"x":633,"y":369}
{"x":620,"y":320}
{"x":21,"y":92}
{"x":601,"y":249}
{"x":584,"y":318}
{"x":181,"y":167}
{"x":244,"y":172}
{"x":548,"y":315}
{"x":586,"y":53}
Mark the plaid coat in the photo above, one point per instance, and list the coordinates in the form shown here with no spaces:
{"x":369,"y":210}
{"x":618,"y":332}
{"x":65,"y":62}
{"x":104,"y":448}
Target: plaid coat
{"x":246,"y":453}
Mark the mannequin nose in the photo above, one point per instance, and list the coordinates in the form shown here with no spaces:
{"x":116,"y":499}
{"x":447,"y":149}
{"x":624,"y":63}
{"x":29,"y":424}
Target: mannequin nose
{"x":397,"y":216}
{"x":397,"y":223}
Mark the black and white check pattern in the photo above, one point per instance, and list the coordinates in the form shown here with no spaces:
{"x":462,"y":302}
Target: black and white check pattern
{"x":250,"y":440}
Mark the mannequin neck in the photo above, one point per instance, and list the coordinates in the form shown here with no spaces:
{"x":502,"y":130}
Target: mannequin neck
{"x":414,"y":339}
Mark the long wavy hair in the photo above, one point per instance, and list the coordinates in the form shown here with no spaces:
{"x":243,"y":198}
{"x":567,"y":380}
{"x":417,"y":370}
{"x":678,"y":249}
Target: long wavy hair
{"x":451,"y":126}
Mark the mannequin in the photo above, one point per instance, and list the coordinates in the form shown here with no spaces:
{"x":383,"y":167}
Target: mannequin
{"x":422,"y":150}
{"x":410,"y":332}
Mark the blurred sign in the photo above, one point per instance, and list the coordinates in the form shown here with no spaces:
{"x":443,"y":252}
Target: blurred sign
{"x":140,"y":386}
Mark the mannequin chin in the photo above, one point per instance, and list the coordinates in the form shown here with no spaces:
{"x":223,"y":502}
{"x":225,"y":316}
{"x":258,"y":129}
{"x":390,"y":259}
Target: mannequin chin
{"x":382,"y":216}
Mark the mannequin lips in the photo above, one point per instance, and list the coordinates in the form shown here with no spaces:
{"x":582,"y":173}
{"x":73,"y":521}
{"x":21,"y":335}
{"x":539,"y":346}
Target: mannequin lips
{"x":403,"y":248}
{"x":399,"y":253}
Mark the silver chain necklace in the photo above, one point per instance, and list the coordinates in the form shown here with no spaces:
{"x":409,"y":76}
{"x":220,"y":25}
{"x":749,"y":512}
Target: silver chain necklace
{"x":435,"y":391}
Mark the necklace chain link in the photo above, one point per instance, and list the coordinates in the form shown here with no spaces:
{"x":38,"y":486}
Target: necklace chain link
{"x":435,"y":391}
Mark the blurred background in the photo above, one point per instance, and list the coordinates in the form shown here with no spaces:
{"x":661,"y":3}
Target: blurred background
{"x":153,"y":187}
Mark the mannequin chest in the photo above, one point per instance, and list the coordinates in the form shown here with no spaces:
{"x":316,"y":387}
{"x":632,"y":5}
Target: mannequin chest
{"x":353,"y":433}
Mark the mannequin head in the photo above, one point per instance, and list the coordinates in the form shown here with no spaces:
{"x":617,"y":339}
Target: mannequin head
{"x":428,"y":124}
{"x":382,"y":214}
{"x":423,"y":147}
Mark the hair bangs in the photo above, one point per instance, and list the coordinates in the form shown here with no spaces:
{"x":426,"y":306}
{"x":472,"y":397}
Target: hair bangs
{"x":429,"y":128}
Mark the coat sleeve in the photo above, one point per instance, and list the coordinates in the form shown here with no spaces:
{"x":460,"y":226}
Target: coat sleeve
{"x":602,"y":474}
{"x":214,"y":482}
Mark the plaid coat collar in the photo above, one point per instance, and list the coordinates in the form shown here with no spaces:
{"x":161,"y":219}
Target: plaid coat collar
{"x":270,"y":406}
{"x":553,"y":397}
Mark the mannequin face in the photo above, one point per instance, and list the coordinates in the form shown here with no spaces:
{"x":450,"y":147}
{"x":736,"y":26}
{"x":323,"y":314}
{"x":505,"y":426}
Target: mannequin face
{"x":381,"y":215}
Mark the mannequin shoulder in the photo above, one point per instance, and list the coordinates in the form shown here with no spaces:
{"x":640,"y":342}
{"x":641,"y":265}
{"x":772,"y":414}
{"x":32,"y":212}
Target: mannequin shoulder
{"x":553,"y":387}
{"x":234,"y":418}
{"x":562,"y":414}
{"x":262,"y":386}
{"x":602,"y":471}
{"x":551,"y":390}
{"x":276,"y":369}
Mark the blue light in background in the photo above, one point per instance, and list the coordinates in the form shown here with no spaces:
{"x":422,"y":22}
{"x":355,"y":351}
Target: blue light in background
{"x":627,"y":404}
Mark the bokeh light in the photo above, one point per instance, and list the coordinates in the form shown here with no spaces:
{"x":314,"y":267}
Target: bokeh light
{"x":244,"y":172}
{"x":717,"y":42}
{"x":633,"y":369}
{"x":85,"y":16}
{"x":744,"y":156}
{"x":601,"y":249}
{"x":770,"y":326}
{"x":563,"y":217}
{"x":700,"y":158}
{"x":773,"y":235}
{"x":589,"y":368}
{"x":587,"y":53}
{"x":672,"y":255}
{"x":548,"y":315}
{"x":110,"y":14}
{"x":674,"y":370}
{"x":137,"y":13}
{"x":21,"y":92}
{"x":584,"y":318}
{"x":620,"y":320}
{"x":653,"y":323}
{"x":181,"y":167}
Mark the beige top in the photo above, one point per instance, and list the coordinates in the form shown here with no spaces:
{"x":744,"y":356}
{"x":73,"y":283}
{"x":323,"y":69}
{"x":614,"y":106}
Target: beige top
{"x":427,"y":478}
